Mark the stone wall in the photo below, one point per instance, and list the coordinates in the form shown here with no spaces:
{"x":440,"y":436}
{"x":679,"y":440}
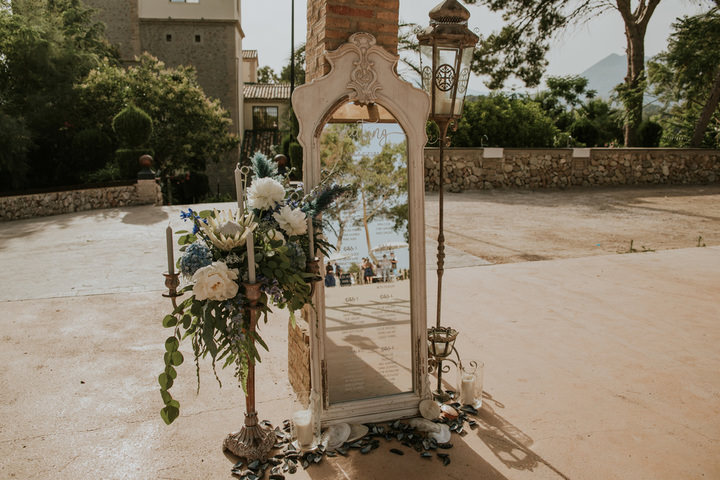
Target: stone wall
{"x":469,"y":169}
{"x":144,"y":192}
{"x":121,"y":25}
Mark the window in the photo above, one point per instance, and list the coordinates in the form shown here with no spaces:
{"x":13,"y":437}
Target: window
{"x":265,"y":118}
{"x":168,"y":37}
{"x":198,"y":38}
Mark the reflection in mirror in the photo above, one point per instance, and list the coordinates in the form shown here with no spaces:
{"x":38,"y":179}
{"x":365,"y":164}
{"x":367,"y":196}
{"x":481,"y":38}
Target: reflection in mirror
{"x":367,"y":279}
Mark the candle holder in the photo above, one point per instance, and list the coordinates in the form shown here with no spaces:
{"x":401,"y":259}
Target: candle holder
{"x":470,"y":381}
{"x":172,"y":282}
{"x":441,"y":344}
{"x":252,"y":442}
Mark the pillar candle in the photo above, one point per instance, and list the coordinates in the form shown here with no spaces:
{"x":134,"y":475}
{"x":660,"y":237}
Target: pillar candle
{"x":302,"y":421}
{"x":251,"y":257}
{"x":311,"y":239}
{"x":467,"y":389}
{"x":239,"y":189}
{"x":171,"y":261}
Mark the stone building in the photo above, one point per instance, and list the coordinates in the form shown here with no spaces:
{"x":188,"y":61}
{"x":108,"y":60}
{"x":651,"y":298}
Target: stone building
{"x":206,"y":35}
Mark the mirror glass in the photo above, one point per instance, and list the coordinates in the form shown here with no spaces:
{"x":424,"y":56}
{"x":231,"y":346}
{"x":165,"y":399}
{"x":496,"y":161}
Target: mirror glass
{"x":367,"y":278}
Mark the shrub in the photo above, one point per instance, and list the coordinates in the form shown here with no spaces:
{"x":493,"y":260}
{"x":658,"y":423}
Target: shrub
{"x":132,"y":126}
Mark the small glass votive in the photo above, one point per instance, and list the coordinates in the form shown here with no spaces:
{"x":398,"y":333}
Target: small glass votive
{"x":303,"y":425}
{"x":471,"y":384}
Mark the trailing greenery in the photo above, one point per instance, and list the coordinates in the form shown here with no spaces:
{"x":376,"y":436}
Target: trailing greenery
{"x":214,"y":263}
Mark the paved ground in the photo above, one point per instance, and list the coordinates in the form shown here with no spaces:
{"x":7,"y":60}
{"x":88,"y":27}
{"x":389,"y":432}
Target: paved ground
{"x":599,"y":367}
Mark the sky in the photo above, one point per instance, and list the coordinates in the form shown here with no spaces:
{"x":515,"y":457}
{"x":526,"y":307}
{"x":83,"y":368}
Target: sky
{"x":268,"y":31}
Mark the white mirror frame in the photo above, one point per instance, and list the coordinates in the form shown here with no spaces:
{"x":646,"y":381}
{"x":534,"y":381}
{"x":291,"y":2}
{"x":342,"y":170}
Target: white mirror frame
{"x":364,"y":73}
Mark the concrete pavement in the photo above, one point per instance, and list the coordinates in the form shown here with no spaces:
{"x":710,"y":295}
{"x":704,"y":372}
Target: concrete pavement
{"x":600,"y":367}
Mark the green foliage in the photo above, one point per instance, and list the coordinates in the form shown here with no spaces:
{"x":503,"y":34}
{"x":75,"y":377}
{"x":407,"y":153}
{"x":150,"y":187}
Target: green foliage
{"x":132,"y":126}
{"x":595,"y":124}
{"x":46,"y":47}
{"x":520,"y":48}
{"x":650,"y":133}
{"x":263,"y":166}
{"x":686,"y":78}
{"x":189,"y":129}
{"x":266,"y":74}
{"x":504,"y":121}
{"x":299,"y":67}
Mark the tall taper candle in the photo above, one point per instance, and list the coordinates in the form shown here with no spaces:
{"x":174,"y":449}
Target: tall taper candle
{"x":239,"y":189}
{"x":171,"y":261}
{"x":251,"y":257}
{"x":311,"y":238}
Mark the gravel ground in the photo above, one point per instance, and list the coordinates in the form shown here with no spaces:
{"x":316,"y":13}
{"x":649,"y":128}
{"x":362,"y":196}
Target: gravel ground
{"x":509,"y":226}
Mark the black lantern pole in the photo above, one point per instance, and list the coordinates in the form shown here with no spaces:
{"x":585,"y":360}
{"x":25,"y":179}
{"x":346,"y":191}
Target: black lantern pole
{"x":446,"y":50}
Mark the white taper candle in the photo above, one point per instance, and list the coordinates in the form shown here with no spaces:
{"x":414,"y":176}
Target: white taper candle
{"x":171,"y":261}
{"x":239,"y":189}
{"x":251,"y":257}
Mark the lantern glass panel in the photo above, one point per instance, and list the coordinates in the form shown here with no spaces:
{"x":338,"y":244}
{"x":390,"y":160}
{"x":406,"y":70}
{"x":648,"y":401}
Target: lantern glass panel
{"x":463,"y":79}
{"x":426,"y":65}
{"x":445,"y":78}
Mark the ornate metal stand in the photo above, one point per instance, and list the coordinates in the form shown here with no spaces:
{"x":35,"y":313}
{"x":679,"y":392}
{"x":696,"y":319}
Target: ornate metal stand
{"x":252,"y":442}
{"x":441,"y":344}
{"x":172,"y":282}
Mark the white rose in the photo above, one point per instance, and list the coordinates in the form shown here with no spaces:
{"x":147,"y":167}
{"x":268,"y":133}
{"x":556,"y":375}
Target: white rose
{"x":215,"y":282}
{"x":265,"y":193}
{"x":275,"y":235}
{"x":292,"y":221}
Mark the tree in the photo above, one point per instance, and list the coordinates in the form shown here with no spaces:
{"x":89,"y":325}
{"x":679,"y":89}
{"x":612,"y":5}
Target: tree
{"x":504,"y":121}
{"x":686,"y":77}
{"x":299,"y":67}
{"x":267,"y":75}
{"x":46,"y":47}
{"x":189,"y":129}
{"x":563,"y":95}
{"x":521,"y":46}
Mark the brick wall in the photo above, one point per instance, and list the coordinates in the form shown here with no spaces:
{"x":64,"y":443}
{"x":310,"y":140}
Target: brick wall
{"x":467,"y":169}
{"x":331,"y":22}
{"x":299,"y":352}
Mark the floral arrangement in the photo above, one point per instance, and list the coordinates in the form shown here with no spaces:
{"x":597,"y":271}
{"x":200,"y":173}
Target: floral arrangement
{"x":272,"y":231}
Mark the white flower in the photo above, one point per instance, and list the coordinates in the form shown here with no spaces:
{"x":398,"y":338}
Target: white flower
{"x":227,"y":230}
{"x":265,"y":193}
{"x":292,"y":221}
{"x":215,"y":282}
{"x":275,"y":235}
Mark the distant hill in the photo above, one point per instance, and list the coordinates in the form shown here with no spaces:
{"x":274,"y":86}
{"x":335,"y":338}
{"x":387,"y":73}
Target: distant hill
{"x":608,"y":72}
{"x":605,"y":74}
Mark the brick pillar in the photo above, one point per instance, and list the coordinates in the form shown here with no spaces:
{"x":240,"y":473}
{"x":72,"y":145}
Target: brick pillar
{"x":331,"y":22}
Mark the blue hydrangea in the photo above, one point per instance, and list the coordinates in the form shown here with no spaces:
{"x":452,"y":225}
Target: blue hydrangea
{"x":196,"y":256}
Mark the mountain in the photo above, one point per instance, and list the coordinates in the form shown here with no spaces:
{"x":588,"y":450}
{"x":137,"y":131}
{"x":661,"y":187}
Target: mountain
{"x":605,"y":74}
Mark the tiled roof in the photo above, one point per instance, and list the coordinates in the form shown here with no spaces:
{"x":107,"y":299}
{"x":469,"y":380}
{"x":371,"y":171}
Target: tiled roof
{"x":249,"y":54}
{"x":258,"y":141}
{"x":267,"y":91}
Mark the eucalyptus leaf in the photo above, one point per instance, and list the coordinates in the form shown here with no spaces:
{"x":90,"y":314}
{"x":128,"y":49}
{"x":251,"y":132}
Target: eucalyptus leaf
{"x":169,"y":321}
{"x":165,"y":381}
{"x":169,"y":414}
{"x":171,"y":344}
{"x":177,"y":358}
{"x":171,"y":372}
{"x":165,"y":396}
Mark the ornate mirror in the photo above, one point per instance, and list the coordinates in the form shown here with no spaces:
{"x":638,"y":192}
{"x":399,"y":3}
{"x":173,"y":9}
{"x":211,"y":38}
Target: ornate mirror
{"x":365,"y":127}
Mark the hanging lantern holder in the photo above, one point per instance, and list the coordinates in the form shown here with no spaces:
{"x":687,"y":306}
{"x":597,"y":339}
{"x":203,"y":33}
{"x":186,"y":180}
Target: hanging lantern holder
{"x":446,"y":52}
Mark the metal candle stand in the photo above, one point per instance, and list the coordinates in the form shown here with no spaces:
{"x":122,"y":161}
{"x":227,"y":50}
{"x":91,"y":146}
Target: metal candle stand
{"x":252,"y":442}
{"x":441,"y":344}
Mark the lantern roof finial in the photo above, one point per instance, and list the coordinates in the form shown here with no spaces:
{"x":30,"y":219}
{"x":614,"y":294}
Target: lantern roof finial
{"x":449,"y":11}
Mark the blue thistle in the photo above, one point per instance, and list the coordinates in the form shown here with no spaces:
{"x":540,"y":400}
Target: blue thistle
{"x":196,"y":256}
